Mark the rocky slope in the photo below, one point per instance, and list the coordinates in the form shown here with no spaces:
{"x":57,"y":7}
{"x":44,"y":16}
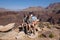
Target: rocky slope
{"x":54,"y":12}
{"x":48,"y":32}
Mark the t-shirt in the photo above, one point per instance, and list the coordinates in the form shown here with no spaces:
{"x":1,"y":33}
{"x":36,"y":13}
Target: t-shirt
{"x":33,"y":18}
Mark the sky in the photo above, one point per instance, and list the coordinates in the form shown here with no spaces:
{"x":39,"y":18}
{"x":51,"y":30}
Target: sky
{"x":22,"y":4}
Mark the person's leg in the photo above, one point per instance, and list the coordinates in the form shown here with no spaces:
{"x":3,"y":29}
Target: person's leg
{"x":33,"y":28}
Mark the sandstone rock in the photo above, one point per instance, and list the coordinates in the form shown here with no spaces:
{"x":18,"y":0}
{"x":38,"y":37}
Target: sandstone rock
{"x":46,"y":33}
{"x":33,"y":35}
{"x":57,"y":27}
{"x":21,"y":35}
{"x":45,"y":23}
{"x":8,"y":36}
{"x":7,"y":27}
{"x":46,"y":29}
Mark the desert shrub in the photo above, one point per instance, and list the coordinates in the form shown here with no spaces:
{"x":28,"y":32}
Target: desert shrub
{"x":48,"y":26}
{"x":51,"y":35}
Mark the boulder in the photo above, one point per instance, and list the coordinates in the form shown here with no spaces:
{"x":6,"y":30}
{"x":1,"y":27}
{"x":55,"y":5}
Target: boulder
{"x":57,"y":27}
{"x":6,"y":27}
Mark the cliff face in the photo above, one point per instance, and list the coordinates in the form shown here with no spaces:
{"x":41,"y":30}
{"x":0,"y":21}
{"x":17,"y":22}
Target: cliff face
{"x":54,"y":12}
{"x":50,"y":14}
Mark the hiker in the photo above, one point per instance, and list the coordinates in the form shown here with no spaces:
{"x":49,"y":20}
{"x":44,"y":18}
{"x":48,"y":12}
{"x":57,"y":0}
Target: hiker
{"x":30,"y":20}
{"x":24,"y":24}
{"x":25,"y":20}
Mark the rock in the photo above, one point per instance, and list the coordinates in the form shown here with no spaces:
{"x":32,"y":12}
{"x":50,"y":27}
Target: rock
{"x":33,"y":35}
{"x":57,"y":27}
{"x":8,"y":36}
{"x":20,"y":35}
{"x":7,"y":27}
{"x":46,"y":23}
{"x":46,"y":33}
{"x":38,"y":28}
{"x":46,"y":29}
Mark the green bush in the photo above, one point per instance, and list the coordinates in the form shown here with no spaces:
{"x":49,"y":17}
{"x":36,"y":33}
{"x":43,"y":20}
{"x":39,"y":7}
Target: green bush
{"x":51,"y":35}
